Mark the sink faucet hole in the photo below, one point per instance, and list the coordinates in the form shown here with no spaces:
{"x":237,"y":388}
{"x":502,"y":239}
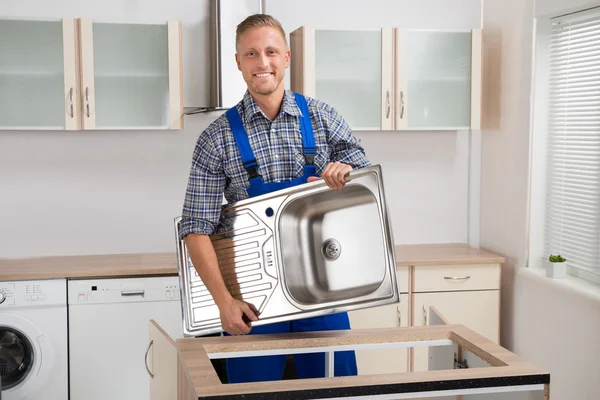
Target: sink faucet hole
{"x":269,"y":212}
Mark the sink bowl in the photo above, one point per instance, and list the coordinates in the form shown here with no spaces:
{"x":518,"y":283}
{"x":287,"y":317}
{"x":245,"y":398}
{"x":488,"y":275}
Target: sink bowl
{"x":332,"y":245}
{"x":299,"y":252}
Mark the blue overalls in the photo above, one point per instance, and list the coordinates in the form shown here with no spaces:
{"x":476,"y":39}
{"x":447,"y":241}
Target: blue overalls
{"x":269,"y":368}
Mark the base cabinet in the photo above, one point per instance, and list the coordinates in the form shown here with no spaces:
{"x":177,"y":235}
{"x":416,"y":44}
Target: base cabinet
{"x":383,"y":360}
{"x":464,"y":294}
{"x":161,"y":364}
{"x":477,"y":310}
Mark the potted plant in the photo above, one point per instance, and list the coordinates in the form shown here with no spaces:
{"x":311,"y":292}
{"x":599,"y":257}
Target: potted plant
{"x":556,"y":266}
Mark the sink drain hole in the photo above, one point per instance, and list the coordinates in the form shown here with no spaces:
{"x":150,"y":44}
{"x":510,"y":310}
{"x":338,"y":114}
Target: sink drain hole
{"x":331,"y":249}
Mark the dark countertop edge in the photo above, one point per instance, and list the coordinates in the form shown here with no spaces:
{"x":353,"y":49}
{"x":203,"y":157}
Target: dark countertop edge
{"x":394,"y":388}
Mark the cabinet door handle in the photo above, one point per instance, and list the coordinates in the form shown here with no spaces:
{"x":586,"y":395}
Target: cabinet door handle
{"x":71,"y":101}
{"x":401,"y":104}
{"x":389,"y":106}
{"x":457,"y":278}
{"x":424,"y":316}
{"x":87,"y":101}
{"x":146,"y":359}
{"x":399,"y":316}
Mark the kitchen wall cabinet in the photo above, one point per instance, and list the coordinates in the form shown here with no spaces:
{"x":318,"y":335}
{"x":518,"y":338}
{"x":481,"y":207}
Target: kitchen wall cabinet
{"x":349,"y":69}
{"x":131,"y":75}
{"x":78,"y":74}
{"x":392,"y":79}
{"x":37,"y":74}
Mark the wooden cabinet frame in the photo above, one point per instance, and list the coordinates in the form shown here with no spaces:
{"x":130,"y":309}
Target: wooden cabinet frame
{"x":71,"y":65}
{"x":503,"y":372}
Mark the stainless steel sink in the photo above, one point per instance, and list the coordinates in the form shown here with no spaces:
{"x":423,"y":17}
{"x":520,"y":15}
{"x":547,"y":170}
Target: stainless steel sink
{"x":331,"y":245}
{"x":299,"y":252}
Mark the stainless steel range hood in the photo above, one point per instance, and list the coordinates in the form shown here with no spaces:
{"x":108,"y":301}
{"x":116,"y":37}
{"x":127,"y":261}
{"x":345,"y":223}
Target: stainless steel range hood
{"x":227,"y":86}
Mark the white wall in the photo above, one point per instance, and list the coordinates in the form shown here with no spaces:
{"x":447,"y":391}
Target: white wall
{"x":552,"y":324}
{"x":556,"y":327}
{"x":116,"y":192}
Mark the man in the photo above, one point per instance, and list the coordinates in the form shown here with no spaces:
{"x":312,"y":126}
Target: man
{"x":271,"y":140}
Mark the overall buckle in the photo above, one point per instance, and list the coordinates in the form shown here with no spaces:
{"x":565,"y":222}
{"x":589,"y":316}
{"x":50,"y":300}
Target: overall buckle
{"x":252,"y":171}
{"x":309,"y":156}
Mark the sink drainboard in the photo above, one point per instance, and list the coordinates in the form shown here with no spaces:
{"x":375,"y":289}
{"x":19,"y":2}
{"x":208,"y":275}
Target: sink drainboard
{"x":245,"y":264}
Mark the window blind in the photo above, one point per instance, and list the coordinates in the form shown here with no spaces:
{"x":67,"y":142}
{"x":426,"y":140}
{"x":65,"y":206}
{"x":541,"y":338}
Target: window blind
{"x":573,"y":153}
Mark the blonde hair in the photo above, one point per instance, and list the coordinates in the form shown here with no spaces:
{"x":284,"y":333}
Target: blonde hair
{"x":258,"y":21}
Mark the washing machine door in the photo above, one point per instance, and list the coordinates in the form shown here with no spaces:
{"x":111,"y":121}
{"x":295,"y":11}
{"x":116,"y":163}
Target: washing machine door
{"x":16,"y":357}
{"x":21,"y":355}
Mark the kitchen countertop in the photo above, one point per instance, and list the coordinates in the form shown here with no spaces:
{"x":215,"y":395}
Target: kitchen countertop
{"x":90,"y":266}
{"x":444,"y":254}
{"x":152,"y":264}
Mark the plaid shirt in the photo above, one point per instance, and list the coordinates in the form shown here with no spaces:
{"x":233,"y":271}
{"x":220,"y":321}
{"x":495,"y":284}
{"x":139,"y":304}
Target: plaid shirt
{"x":217,"y":167}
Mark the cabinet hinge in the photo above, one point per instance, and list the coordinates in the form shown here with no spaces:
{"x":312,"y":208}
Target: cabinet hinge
{"x":460,"y":365}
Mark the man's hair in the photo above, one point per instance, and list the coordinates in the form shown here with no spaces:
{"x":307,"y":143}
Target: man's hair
{"x":258,"y":21}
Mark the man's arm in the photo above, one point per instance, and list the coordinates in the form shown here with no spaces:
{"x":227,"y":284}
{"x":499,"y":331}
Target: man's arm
{"x":201,"y":213}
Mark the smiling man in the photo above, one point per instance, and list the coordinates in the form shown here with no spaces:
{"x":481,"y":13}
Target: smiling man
{"x":271,"y":140}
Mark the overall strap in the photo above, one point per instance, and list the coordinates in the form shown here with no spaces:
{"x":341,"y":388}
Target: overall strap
{"x":308,"y":137}
{"x":243,"y":144}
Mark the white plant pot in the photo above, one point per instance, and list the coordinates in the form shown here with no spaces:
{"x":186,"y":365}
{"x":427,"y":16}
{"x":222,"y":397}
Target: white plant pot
{"x":556,"y":269}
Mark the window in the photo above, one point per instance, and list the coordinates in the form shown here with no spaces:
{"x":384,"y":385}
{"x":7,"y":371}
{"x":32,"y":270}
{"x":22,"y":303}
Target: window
{"x":572,"y":209}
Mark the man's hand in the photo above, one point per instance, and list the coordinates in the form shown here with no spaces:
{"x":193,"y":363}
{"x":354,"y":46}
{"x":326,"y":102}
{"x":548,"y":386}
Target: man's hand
{"x":334,"y":174}
{"x":236,"y":317}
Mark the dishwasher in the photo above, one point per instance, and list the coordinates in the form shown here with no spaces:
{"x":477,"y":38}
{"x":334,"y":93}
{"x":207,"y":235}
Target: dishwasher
{"x":108,"y":334}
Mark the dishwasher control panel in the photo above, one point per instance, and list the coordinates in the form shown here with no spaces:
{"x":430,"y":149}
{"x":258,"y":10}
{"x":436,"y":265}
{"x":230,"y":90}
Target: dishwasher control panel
{"x":123,"y":290}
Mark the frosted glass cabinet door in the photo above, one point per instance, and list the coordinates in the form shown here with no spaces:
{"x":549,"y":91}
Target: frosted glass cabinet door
{"x":349,"y":69}
{"x":37,"y":74}
{"x":126,"y":71}
{"x":435,"y":79}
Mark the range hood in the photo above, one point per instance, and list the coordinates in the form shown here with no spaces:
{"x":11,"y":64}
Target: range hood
{"x":227,"y":87}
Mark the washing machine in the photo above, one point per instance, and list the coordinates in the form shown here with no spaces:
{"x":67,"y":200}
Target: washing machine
{"x":33,"y":340}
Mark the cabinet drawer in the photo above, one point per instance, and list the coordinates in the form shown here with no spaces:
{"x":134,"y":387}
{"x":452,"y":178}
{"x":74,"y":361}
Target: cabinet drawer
{"x":445,"y":278}
{"x":402,"y":278}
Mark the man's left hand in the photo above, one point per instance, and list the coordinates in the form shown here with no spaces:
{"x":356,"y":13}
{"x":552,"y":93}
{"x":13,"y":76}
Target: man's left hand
{"x":334,"y":174}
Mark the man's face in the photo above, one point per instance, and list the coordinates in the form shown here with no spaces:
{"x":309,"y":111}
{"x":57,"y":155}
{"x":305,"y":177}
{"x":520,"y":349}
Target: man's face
{"x":262,"y":56}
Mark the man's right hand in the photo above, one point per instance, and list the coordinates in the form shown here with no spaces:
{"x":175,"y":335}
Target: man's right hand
{"x":232,"y":317}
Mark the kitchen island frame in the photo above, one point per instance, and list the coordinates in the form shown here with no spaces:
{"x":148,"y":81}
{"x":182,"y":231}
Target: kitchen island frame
{"x":500,"y":370}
